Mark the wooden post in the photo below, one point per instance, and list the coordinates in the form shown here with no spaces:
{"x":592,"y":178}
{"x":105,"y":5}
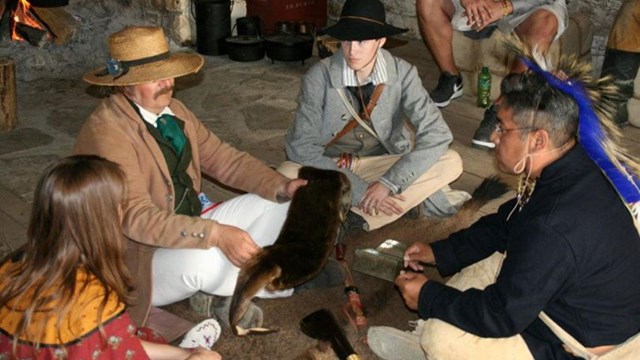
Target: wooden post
{"x":8,"y":96}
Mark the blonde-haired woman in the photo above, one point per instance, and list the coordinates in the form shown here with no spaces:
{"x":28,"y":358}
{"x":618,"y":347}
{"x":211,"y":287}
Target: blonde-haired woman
{"x":63,"y":294}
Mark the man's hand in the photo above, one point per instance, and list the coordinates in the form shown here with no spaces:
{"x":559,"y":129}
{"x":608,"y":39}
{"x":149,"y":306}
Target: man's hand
{"x":416,"y":253}
{"x":409,"y":284}
{"x":478,"y":12}
{"x":378,"y":198}
{"x":289,"y":189}
{"x":235,"y":243}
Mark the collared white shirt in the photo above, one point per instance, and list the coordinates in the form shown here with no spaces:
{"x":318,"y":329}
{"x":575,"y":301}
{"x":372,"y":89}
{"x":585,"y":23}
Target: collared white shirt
{"x":377,"y":76}
{"x":152,"y":118}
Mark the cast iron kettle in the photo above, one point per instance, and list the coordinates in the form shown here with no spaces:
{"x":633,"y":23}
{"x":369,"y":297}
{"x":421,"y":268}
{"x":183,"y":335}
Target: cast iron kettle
{"x":248,"y":45}
{"x":289,"y":42}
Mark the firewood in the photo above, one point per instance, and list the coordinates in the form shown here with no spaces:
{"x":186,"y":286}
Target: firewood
{"x":8,"y":97}
{"x":36,"y":37}
{"x":61,"y":24}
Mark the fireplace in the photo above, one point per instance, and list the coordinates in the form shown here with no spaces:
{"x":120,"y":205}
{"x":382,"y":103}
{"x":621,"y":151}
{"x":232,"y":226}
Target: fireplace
{"x":71,"y":40}
{"x":27,"y":20}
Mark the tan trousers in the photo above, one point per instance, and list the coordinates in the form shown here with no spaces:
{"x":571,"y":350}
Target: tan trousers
{"x":371,"y":168}
{"x":440,"y":340}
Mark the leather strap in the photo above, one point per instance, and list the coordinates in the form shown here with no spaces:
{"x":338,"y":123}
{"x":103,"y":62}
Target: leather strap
{"x":353,"y":122}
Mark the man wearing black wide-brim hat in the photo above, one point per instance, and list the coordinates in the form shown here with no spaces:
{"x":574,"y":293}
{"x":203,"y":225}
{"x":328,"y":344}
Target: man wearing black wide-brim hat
{"x":351,"y":116}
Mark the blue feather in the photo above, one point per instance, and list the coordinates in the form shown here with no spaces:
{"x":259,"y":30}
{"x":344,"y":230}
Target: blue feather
{"x":591,"y":135}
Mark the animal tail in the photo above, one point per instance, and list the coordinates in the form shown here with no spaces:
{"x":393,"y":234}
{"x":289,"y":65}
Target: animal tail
{"x":254,"y":276}
{"x":491,"y":188}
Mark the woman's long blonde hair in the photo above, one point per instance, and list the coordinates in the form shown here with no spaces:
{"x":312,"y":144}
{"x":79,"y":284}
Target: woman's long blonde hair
{"x":74,"y":225}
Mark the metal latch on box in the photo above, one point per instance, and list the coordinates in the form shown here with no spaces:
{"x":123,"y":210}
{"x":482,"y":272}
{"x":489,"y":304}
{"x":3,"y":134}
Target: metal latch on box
{"x":383,"y":262}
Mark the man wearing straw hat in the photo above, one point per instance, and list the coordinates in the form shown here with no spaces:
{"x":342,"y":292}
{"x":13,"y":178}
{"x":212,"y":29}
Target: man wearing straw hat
{"x":163,"y":148}
{"x":554,"y":273}
{"x":352,"y":113}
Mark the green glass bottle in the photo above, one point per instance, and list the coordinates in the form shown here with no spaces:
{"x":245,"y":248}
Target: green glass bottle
{"x":484,"y":88}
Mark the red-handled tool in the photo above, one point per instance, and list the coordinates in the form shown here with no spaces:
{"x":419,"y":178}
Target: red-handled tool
{"x":353,"y":308}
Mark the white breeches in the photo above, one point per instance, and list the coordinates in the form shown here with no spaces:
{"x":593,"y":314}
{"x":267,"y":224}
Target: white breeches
{"x":180,"y":273}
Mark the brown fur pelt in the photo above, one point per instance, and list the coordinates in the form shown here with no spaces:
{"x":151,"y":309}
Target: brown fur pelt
{"x":303,"y":246}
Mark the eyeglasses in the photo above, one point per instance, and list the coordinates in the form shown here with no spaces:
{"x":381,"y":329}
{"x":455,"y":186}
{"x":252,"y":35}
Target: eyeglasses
{"x":499,"y":130}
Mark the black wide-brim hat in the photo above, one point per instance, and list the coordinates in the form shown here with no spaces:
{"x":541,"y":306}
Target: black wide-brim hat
{"x":361,"y":20}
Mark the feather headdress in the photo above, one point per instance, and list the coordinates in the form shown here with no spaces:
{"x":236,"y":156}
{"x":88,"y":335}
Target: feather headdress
{"x":598,"y":134}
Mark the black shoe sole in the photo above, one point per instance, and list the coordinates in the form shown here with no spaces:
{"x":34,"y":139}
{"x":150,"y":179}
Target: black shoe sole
{"x":455,"y":95}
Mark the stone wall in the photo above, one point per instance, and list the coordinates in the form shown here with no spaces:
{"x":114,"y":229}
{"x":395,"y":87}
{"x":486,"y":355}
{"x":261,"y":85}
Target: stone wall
{"x":96,"y":19}
{"x":402,"y":13}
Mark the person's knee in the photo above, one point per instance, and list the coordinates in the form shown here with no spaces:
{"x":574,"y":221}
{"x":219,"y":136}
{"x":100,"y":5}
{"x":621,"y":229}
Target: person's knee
{"x":289,"y":169}
{"x":539,"y":29}
{"x":453,"y":163}
{"x":436,"y":339}
{"x":427,"y":9}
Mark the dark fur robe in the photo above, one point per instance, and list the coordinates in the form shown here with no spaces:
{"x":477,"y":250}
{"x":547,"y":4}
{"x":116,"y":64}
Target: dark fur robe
{"x":305,"y":242}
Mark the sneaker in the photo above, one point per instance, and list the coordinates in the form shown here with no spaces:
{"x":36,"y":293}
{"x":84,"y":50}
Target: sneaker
{"x":389,"y":343}
{"x":332,"y":275}
{"x":449,"y":87}
{"x":482,"y":136}
{"x":205,"y":334}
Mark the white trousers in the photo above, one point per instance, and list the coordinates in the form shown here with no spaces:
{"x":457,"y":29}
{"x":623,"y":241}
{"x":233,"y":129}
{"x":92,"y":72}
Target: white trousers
{"x":180,"y":273}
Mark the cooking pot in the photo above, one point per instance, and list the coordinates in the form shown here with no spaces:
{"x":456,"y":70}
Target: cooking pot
{"x":285,"y":27}
{"x":248,"y":25}
{"x":303,"y":27}
{"x":288,"y":47}
{"x":245,"y":48}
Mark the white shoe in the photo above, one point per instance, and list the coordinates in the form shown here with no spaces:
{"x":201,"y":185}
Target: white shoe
{"x":389,"y":343}
{"x":205,"y":334}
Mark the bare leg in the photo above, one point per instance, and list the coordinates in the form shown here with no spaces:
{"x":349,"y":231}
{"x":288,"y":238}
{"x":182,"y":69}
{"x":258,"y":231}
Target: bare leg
{"x":539,"y":30}
{"x":434,"y":21}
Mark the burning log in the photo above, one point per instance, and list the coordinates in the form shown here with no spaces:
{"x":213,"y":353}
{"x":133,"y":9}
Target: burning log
{"x":8,"y":100}
{"x":36,"y":37}
{"x":58,"y":21}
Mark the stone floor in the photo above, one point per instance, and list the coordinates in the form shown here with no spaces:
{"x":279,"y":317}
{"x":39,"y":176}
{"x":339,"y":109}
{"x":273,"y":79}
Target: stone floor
{"x":250,"y":105}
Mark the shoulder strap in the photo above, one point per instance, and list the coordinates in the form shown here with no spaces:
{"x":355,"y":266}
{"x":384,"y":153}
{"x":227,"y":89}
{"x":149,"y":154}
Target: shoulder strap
{"x":356,"y":118}
{"x":574,"y":345}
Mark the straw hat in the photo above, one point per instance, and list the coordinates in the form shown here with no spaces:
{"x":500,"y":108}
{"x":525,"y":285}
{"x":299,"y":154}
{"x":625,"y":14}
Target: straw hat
{"x":361,"y":20}
{"x":140,"y":55}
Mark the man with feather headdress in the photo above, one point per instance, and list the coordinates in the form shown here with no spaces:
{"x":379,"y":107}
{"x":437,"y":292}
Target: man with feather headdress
{"x":554,"y":273}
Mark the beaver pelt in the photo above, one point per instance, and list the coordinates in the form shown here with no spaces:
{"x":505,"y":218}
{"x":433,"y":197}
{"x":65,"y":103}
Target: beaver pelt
{"x":303,"y":246}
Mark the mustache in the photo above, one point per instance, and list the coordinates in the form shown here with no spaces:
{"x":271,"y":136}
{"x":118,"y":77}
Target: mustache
{"x":163,"y":91}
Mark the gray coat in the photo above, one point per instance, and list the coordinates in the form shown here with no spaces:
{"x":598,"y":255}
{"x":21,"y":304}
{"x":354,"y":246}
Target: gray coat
{"x":321,"y":114}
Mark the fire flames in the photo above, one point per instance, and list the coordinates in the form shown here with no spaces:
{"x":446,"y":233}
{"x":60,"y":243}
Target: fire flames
{"x":21,"y":15}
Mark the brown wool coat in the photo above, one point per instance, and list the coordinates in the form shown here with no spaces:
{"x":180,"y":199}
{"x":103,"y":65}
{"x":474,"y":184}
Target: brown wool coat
{"x":115,"y":131}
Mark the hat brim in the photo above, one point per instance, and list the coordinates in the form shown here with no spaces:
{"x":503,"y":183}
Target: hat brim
{"x":178,"y":64}
{"x":352,"y":30}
